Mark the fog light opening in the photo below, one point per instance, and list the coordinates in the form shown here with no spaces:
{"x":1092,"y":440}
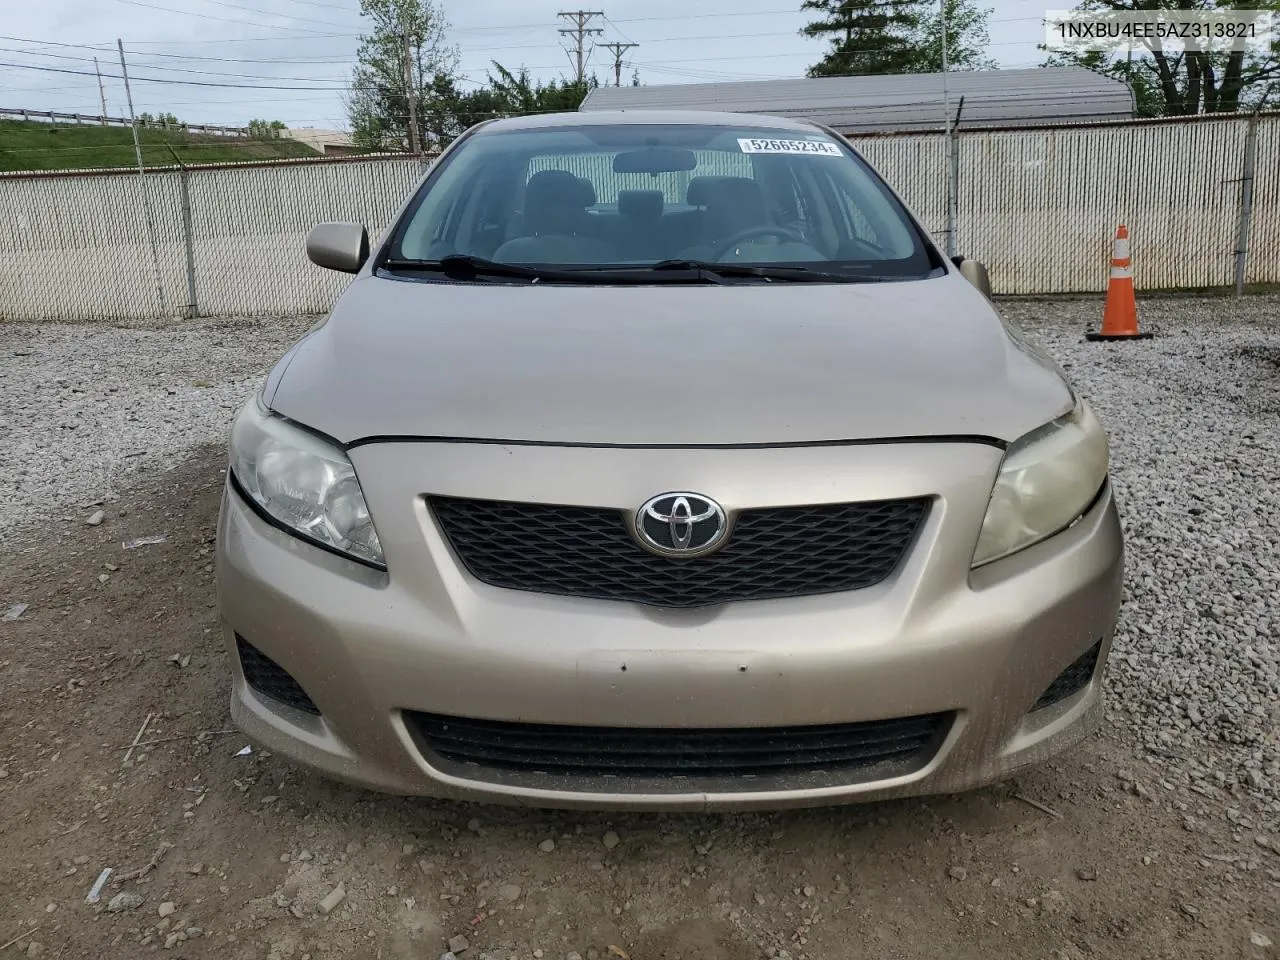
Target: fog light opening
{"x":266,"y":677}
{"x":1071,"y":680}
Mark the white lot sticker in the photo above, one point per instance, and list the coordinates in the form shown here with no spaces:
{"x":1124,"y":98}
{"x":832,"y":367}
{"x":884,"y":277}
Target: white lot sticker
{"x":820,"y":148}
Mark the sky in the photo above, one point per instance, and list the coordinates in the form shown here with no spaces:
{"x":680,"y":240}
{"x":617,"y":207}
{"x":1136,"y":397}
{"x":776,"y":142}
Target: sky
{"x":228,"y":61}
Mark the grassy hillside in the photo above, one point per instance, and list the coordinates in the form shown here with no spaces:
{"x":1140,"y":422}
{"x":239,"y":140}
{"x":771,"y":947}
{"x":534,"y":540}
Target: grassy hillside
{"x":50,"y":146}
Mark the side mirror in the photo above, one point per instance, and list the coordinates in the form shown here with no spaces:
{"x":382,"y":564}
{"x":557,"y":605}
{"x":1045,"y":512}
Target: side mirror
{"x":975,"y":273}
{"x":338,"y":246}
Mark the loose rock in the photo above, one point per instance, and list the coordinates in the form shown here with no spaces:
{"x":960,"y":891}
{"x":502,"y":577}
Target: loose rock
{"x":127,"y":900}
{"x":611,"y":840}
{"x":458,"y":944}
{"x":331,"y":900}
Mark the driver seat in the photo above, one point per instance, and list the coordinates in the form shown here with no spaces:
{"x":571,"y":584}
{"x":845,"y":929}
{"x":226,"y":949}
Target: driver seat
{"x":733,"y":204}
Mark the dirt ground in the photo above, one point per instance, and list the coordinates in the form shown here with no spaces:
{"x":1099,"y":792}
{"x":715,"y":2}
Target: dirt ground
{"x":1105,"y":853}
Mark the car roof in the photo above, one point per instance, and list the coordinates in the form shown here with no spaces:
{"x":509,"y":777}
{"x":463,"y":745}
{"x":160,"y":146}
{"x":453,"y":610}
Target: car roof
{"x":593,"y":118}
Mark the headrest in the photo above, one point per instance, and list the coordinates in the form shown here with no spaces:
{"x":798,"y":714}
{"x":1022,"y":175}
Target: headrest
{"x":738,"y":193}
{"x":588,"y":192}
{"x":735,"y":204}
{"x":698,"y":193}
{"x":641,"y":204}
{"x":554,"y":201}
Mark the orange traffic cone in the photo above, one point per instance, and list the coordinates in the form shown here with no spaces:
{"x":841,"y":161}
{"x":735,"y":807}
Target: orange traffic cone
{"x":1120,"y":317}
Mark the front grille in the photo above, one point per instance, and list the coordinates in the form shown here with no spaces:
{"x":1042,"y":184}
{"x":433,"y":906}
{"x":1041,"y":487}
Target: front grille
{"x":271,"y":680}
{"x":1071,"y":680}
{"x":880,"y":748}
{"x":589,"y":552}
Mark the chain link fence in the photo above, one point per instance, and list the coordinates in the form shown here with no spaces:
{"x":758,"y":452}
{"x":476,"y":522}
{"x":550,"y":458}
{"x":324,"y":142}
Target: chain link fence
{"x":1039,"y":207}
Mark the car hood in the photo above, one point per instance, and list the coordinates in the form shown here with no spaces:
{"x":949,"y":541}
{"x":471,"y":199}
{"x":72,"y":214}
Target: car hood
{"x":666,"y":365}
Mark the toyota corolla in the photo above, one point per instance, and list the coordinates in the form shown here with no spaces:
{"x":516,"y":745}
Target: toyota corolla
{"x":662,"y":461}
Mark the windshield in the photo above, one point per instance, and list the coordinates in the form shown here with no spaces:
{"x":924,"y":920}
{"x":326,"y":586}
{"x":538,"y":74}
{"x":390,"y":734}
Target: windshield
{"x":645,"y":196}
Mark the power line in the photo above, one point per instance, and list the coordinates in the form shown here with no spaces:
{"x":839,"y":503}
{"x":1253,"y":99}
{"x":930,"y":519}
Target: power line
{"x":210,"y":73}
{"x":619,"y":30}
{"x":176,"y":56}
{"x":317,"y":3}
{"x":209,"y":16}
{"x":236,"y":6}
{"x":511,"y":28}
{"x":523,"y":46}
{"x":276,"y":39}
{"x":184,"y":83}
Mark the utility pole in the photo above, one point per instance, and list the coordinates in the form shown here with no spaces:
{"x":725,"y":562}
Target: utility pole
{"x":102,"y":93}
{"x":411,"y":98}
{"x":142,"y":172}
{"x":580,"y":31}
{"x":133,"y":124}
{"x":618,"y":49}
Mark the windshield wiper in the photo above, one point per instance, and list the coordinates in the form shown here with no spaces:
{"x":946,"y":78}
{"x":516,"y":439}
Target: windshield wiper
{"x":718,"y":271}
{"x":459,"y":266}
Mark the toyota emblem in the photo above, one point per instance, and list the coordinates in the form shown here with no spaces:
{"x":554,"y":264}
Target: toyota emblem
{"x":681,"y":524}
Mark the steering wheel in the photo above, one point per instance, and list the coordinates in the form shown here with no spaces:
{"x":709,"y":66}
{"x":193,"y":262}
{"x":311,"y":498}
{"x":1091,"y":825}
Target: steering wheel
{"x":784,"y":233}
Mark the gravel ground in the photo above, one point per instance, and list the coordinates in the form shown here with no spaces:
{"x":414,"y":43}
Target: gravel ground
{"x":1112,"y":850}
{"x":1194,"y":420}
{"x":85,"y":407}
{"x":1194,"y":417}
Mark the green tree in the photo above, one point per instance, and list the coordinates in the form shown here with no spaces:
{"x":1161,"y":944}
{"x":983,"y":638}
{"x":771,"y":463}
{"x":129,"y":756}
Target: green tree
{"x":1188,"y":81}
{"x":897,"y":36}
{"x":447,"y":111}
{"x":378,"y":99}
{"x":146,"y":119}
{"x":967,"y":38}
{"x":266,"y":129}
{"x":519,"y":94}
{"x":865,"y":36}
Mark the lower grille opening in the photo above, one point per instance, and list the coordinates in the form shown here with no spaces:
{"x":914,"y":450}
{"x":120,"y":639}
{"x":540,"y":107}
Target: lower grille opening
{"x":273,"y":681}
{"x":1071,"y":680}
{"x":845,"y":753}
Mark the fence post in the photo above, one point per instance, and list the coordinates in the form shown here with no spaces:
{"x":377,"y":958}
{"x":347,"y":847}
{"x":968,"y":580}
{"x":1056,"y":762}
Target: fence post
{"x":1246,"y":194}
{"x":188,"y":237}
{"x":953,"y":178}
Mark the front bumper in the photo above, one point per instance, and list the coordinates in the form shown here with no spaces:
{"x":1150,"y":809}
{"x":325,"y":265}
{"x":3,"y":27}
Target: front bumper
{"x":367,"y":647}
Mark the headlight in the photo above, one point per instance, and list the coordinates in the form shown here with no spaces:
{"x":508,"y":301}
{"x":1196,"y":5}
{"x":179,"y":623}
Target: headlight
{"x":1047,"y":480}
{"x":303,"y":483}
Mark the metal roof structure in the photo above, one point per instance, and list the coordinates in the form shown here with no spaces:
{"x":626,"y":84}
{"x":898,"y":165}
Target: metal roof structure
{"x":911,"y":102}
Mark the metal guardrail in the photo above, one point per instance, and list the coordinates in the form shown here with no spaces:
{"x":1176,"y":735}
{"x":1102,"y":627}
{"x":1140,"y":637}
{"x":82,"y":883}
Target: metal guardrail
{"x":327,"y":160}
{"x":52,"y":116}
